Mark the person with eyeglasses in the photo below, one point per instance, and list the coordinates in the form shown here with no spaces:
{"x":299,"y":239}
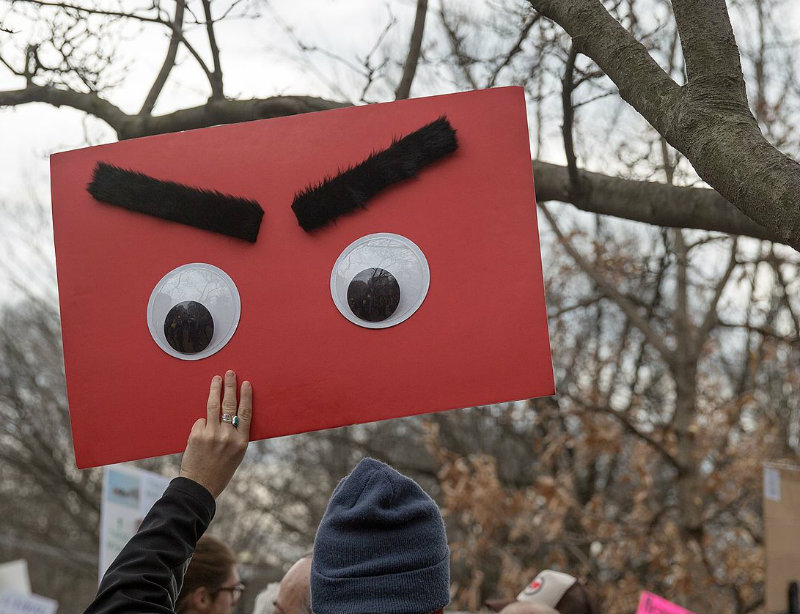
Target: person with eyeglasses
{"x":211,"y":584}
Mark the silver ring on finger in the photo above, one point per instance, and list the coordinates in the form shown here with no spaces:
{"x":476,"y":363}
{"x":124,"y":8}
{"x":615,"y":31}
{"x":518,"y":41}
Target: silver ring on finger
{"x":231,"y":419}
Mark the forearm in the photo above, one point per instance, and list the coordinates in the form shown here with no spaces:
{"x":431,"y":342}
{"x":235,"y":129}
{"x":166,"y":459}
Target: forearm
{"x":147,"y":574}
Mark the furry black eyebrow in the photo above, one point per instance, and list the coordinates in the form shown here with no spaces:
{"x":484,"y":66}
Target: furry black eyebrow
{"x":319,"y":204}
{"x":205,"y":209}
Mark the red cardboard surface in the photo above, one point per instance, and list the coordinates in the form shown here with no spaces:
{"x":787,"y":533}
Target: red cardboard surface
{"x":480,"y":336}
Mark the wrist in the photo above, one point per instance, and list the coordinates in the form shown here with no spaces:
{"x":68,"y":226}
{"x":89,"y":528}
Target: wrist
{"x":200,"y":482}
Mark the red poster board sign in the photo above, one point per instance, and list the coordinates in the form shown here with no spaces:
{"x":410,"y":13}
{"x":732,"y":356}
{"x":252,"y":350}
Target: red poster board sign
{"x":478,"y":337}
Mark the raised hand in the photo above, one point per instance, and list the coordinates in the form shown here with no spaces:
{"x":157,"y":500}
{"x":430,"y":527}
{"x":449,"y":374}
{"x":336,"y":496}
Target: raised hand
{"x":217,"y":443}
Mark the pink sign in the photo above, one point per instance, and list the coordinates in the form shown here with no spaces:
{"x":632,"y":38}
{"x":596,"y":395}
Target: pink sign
{"x":653,"y":604}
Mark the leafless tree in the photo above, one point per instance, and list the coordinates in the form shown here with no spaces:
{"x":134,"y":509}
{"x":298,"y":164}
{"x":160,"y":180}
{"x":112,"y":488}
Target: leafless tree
{"x":50,"y":509}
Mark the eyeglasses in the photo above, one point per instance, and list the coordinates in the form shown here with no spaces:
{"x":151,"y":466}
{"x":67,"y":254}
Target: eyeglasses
{"x":236,"y":591}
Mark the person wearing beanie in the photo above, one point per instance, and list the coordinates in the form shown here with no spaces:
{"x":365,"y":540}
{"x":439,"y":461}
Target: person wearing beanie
{"x":381,"y":547}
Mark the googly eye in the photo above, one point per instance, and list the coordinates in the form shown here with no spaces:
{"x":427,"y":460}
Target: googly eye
{"x":193,"y":311}
{"x":380,"y":280}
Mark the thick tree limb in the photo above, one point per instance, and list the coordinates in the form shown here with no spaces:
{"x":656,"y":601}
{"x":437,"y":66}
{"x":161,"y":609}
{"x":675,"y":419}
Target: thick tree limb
{"x":57,"y":97}
{"x":709,"y":47}
{"x":649,"y":202}
{"x":704,"y":120}
{"x":596,"y":34}
{"x":130,"y":126}
{"x":414,"y":47}
{"x":221,"y":112}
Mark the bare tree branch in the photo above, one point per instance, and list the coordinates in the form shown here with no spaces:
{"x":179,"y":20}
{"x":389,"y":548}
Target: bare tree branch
{"x":714,"y":131}
{"x":629,"y":309}
{"x":646,"y":201}
{"x":596,"y":34}
{"x":711,"y":315}
{"x":684,"y":354}
{"x":414,"y":47}
{"x":456,"y":40}
{"x":582,"y":304}
{"x":221,"y":112}
{"x":144,"y":18}
{"x":169,"y":60}
{"x":88,"y":10}
{"x":90,"y":103}
{"x":784,"y":284}
{"x":764,"y":331}
{"x":217,"y":90}
{"x":567,"y":87}
{"x":631,"y":428}
{"x":516,"y":48}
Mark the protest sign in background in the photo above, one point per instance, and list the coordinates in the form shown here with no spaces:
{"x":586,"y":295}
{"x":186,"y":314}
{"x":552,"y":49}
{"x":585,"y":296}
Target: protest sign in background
{"x":128,"y":494}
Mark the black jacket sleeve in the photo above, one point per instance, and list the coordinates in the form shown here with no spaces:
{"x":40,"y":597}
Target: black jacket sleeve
{"x":147,"y":575}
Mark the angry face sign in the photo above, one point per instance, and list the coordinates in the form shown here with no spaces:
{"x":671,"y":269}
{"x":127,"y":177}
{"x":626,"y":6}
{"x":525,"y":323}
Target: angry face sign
{"x":355,"y":265}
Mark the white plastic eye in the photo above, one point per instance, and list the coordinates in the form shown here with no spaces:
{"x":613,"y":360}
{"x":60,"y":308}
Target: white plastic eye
{"x":380,"y":280}
{"x":193,"y":311}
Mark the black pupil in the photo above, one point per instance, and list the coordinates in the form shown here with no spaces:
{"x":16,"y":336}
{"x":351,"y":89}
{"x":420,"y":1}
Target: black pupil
{"x":189,"y":327}
{"x":373,"y":295}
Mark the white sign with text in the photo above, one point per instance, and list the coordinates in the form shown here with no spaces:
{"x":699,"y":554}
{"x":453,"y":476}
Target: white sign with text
{"x":16,"y":602}
{"x":128,"y":494}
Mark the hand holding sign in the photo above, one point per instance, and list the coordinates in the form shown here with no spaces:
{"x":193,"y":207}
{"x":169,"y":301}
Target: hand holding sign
{"x":217,"y":443}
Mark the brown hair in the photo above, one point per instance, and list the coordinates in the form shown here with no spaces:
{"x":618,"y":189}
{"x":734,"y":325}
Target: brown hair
{"x":210,"y":566}
{"x":577,"y":600}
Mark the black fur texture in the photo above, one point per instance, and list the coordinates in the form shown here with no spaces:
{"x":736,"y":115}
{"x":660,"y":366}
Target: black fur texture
{"x":206,"y":209}
{"x":318,"y":205}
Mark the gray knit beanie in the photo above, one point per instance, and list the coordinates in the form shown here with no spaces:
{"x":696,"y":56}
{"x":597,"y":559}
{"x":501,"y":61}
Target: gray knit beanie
{"x":380,"y":548}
